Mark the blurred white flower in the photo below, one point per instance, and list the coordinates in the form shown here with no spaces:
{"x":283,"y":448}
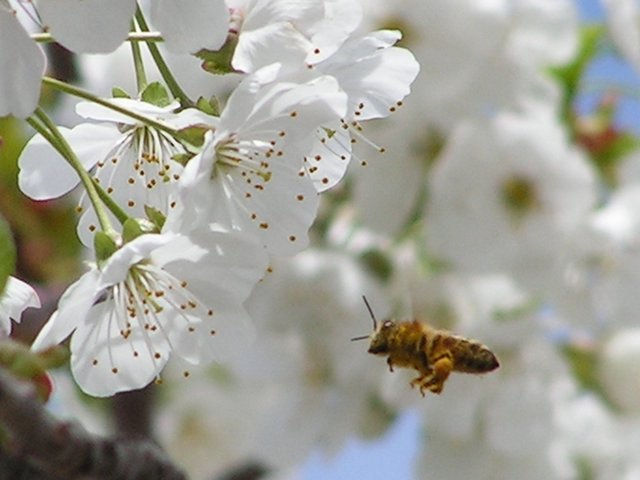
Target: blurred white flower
{"x":87,"y":26}
{"x":598,"y":288}
{"x":249,"y":174}
{"x":15,"y":299}
{"x":512,"y":429}
{"x":622,"y":20}
{"x":619,"y":369}
{"x":301,"y":377}
{"x":188,"y":28}
{"x":22,"y":64}
{"x":482,"y":56}
{"x":92,"y":26}
{"x":158,"y":295}
{"x":507,"y":195}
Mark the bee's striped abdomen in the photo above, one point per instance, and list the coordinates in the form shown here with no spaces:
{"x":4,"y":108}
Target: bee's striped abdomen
{"x":466,"y":355}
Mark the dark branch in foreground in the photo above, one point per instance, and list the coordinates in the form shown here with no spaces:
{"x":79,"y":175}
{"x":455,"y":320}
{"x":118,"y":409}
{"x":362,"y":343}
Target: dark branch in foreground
{"x":55,"y":449}
{"x":249,"y":471}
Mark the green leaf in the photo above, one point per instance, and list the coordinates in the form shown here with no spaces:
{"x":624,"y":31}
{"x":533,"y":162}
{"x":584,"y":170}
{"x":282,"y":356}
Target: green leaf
{"x":117,"y":92}
{"x":182,"y":158}
{"x":377,"y":263}
{"x":219,"y":62}
{"x":155,"y":216}
{"x":156,"y":94}
{"x":609,"y":158}
{"x":194,"y":134}
{"x":210,"y":107}
{"x":570,"y":75}
{"x":131,"y":230}
{"x":105,"y":246}
{"x":7,"y":253}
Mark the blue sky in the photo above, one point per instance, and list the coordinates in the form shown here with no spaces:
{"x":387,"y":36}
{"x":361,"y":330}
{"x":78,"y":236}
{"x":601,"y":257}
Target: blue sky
{"x":389,"y":457}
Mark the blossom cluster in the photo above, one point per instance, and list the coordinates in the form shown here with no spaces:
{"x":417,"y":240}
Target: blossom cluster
{"x":204,"y":198}
{"x":229,"y":223}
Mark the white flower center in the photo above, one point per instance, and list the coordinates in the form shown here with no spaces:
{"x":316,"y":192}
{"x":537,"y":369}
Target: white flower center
{"x":253,"y":157}
{"x":153,"y":303}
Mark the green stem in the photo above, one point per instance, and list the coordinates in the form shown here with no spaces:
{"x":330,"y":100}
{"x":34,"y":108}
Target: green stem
{"x":163,"y":68}
{"x":45,"y":126}
{"x":79,"y":92}
{"x":132,"y":37}
{"x":141,"y":77}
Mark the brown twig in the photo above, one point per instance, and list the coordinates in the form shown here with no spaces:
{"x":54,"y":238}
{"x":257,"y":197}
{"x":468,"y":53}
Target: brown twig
{"x":249,"y":471}
{"x":65,"y":450}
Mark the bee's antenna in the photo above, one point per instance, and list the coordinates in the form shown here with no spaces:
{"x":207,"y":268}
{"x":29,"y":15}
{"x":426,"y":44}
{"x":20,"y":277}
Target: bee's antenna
{"x":364,"y":337}
{"x":373,"y":317}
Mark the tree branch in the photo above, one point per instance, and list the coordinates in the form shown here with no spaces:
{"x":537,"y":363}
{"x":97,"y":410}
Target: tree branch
{"x":65,"y":450}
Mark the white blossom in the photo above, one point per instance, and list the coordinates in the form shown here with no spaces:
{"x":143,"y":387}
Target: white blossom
{"x":622,"y":20}
{"x":618,"y":369}
{"x":317,"y":38}
{"x":507,"y":195}
{"x":484,"y":56}
{"x":158,"y":295}
{"x":249,"y":174}
{"x":22,"y":64}
{"x":15,"y":299}
{"x":132,"y":161}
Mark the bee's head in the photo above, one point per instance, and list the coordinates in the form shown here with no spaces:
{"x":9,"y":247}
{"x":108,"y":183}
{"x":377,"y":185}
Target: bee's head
{"x":379,"y":337}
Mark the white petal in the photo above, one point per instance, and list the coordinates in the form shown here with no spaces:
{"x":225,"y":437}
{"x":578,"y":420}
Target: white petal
{"x":193,"y":116}
{"x":17,"y":297}
{"x":95,"y":111}
{"x":268,"y":45}
{"x":45,"y":174}
{"x":236,"y":257}
{"x":117,"y":267}
{"x":378,"y":78}
{"x":22,"y":64}
{"x":622,"y":19}
{"x":103,"y":362}
{"x":329,"y":157}
{"x":281,"y":213}
{"x":189,"y":28}
{"x":315,"y":103}
{"x":341,"y":18}
{"x":234,"y":332}
{"x":88,"y":26}
{"x":73,"y":307}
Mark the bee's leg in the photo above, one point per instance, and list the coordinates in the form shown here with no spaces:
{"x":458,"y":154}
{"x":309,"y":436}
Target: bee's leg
{"x":390,"y":363}
{"x":419,"y":381}
{"x":422,"y":380}
{"x":442,"y":367}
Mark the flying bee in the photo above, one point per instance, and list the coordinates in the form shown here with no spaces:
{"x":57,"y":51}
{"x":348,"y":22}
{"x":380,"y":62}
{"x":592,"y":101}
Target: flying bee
{"x":433,"y":353}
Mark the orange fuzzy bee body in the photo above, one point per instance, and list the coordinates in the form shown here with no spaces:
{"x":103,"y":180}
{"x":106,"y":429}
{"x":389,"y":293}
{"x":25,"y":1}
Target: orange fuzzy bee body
{"x":433,"y":353}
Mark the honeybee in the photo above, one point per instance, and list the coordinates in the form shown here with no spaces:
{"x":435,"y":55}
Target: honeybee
{"x":433,"y":353}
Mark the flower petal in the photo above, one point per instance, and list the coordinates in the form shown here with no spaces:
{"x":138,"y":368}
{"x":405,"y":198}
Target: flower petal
{"x":95,"y":111}
{"x":17,"y":297}
{"x":103,"y":362}
{"x":22,"y":64}
{"x":45,"y":174}
{"x":329,"y":157}
{"x":204,"y":24}
{"x":379,"y":78}
{"x":73,"y":307}
{"x":88,"y":26}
